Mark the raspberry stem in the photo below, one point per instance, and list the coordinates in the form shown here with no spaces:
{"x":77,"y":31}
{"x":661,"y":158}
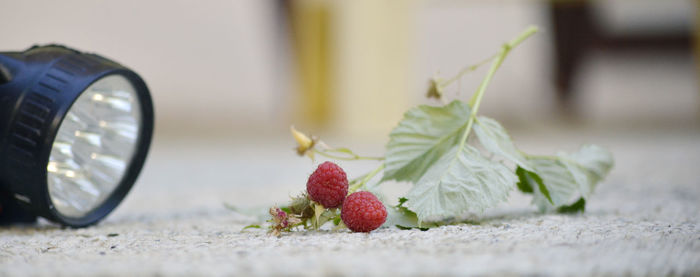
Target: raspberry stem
{"x":445,"y":83}
{"x":353,"y":156}
{"x":366,"y":179}
{"x":499,"y":56}
{"x":475,"y":101}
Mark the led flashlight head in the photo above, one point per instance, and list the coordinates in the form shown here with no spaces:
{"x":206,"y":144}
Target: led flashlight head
{"x":75,"y":130}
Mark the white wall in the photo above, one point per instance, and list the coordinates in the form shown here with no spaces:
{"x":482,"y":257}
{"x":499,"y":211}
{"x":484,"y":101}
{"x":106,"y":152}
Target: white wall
{"x":203,"y":60}
{"x":219,"y":65}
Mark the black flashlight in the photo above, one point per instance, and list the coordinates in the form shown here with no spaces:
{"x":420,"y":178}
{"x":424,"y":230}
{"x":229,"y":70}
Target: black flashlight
{"x":75,"y":129}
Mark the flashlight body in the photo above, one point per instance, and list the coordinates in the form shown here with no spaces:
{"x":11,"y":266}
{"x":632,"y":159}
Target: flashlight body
{"x":37,"y":88}
{"x":17,"y":157}
{"x":25,"y":112}
{"x":11,"y":212}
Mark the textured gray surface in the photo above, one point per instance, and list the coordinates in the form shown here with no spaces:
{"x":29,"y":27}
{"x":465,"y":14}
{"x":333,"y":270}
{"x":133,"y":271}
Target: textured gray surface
{"x":643,"y":220}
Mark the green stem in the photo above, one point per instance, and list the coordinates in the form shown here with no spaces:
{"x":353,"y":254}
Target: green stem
{"x":511,"y":44}
{"x":467,"y":70}
{"x":366,"y":179}
{"x":475,"y":101}
{"x":352,"y":158}
{"x":358,"y":179}
{"x":476,"y":98}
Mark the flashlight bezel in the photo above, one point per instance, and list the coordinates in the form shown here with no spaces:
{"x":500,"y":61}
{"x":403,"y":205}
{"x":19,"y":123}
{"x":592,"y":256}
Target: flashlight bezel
{"x":46,"y":83}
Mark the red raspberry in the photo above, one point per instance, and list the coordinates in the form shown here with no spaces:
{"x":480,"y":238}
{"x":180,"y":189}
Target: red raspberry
{"x":328,"y":185}
{"x":363,"y":212}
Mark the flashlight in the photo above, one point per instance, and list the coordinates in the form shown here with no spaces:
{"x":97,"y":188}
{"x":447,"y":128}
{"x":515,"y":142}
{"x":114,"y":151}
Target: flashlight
{"x":75,"y":129}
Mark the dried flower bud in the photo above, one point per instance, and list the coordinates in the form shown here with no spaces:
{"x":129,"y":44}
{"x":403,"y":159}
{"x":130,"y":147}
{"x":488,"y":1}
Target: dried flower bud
{"x":435,"y":89}
{"x":281,"y":221}
{"x":304,"y":143}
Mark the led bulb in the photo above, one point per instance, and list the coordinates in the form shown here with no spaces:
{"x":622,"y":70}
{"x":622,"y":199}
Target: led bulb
{"x":94,"y":145}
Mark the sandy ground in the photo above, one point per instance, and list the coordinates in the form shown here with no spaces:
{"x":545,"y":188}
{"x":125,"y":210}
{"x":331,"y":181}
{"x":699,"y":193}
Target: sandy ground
{"x":643,"y":220}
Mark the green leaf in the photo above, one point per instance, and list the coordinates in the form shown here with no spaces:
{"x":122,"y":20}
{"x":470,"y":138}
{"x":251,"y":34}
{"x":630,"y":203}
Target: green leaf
{"x":403,"y":227}
{"x":405,"y":219}
{"x":529,"y":179}
{"x":402,"y":200}
{"x":409,"y":228}
{"x":578,"y":206}
{"x":497,"y":141}
{"x":524,"y":183}
{"x":252,"y":226}
{"x":588,"y":166}
{"x":424,"y":135}
{"x":570,"y":175}
{"x":460,"y":181}
{"x":559,"y":182}
{"x":401,"y":216}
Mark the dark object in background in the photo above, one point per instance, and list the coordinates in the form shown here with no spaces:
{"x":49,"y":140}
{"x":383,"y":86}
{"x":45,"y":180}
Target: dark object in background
{"x":75,"y":129}
{"x":576,"y":32}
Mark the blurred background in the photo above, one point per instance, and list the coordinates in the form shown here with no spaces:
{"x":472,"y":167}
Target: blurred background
{"x":228,"y":77}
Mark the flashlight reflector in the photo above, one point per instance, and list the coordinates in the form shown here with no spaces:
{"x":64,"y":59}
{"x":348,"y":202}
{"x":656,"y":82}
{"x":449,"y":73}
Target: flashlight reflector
{"x":94,"y":144}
